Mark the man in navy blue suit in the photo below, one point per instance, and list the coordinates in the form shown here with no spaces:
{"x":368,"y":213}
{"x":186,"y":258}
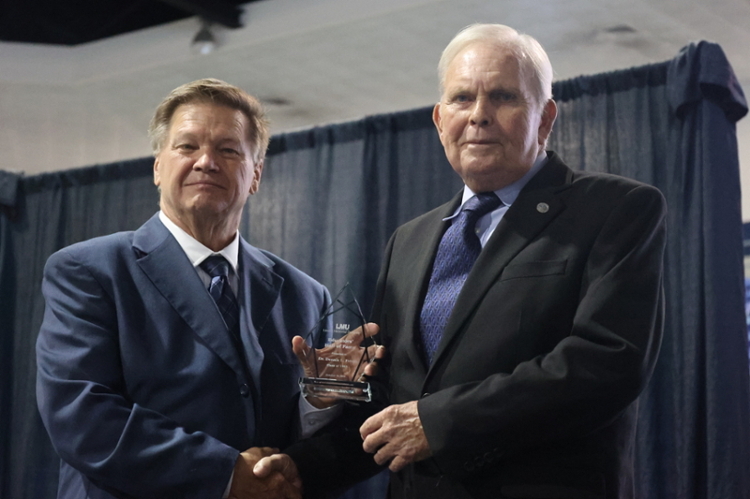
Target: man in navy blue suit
{"x":159,"y":375}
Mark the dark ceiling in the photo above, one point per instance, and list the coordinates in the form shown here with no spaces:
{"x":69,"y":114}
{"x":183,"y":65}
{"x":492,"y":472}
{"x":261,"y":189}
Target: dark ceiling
{"x":70,"y":22}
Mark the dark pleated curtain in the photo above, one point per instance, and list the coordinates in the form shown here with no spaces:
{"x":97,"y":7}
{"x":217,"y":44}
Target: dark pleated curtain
{"x":331,"y":196}
{"x":673,"y":125}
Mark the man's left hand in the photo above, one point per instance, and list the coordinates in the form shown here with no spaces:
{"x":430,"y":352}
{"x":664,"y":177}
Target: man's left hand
{"x":395,"y":434}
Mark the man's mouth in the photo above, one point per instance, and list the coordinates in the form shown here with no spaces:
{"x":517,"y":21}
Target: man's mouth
{"x":203,"y":183}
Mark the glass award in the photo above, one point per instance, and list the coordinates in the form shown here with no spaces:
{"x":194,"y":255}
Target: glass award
{"x":338,"y":367}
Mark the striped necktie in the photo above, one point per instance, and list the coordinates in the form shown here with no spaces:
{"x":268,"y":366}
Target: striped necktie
{"x":217,"y":267}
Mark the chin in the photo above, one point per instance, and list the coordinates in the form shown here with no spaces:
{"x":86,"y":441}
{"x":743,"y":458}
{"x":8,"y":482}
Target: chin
{"x":207,"y":208}
{"x":490,"y":180}
{"x":483,"y":164}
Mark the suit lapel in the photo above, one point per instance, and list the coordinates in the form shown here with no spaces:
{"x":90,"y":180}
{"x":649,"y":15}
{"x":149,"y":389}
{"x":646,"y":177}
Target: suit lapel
{"x":259,"y":291}
{"x":166,"y":265}
{"x":536,"y":206}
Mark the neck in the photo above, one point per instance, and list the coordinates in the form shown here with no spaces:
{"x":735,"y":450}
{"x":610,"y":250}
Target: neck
{"x":211,"y":230}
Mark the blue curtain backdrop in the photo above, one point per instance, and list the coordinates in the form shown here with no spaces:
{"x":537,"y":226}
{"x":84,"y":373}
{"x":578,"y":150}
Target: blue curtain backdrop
{"x":331,"y":196}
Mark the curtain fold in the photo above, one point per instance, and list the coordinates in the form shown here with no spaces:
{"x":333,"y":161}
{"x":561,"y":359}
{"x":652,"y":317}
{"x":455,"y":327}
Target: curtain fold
{"x":672,"y":125}
{"x":9,"y":183}
{"x":332,"y":195}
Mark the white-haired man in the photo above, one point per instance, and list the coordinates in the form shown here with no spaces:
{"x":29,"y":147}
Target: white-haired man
{"x":523,"y":317}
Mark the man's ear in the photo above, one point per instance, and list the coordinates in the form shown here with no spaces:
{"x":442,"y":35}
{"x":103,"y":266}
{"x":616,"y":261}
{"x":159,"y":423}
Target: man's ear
{"x":157,"y":176}
{"x":549,"y":114}
{"x":257,"y":173}
{"x":437,"y":119}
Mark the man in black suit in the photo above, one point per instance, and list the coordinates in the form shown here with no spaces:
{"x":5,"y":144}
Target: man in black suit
{"x":517,"y":374}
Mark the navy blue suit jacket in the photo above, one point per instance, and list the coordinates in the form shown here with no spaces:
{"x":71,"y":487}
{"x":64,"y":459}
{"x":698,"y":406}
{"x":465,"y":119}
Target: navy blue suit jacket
{"x":139,"y":384}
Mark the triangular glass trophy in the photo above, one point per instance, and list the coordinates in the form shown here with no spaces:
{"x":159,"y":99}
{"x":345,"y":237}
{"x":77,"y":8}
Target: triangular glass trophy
{"x":338,"y":367}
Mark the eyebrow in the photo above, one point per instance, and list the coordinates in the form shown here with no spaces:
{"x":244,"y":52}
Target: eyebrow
{"x":181,"y":136}
{"x":459,"y":90}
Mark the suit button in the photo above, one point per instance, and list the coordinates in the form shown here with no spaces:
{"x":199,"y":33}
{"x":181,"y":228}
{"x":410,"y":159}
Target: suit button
{"x":426,"y":394}
{"x":245,"y":390}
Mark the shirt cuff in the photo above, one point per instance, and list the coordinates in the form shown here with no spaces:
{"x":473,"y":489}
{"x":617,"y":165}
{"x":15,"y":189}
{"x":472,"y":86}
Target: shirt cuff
{"x":312,"y":419}
{"x":229,"y":487}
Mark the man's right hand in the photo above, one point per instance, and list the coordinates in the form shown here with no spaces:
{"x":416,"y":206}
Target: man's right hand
{"x":280,"y":482}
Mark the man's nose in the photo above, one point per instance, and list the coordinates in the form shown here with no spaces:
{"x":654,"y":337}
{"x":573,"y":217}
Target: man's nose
{"x":205,"y":162}
{"x":481,"y":114}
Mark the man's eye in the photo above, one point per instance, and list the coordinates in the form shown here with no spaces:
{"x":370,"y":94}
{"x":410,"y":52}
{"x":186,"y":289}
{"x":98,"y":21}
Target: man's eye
{"x":461,"y":98}
{"x":229,"y":150}
{"x":186,"y":147}
{"x":504,"y":96}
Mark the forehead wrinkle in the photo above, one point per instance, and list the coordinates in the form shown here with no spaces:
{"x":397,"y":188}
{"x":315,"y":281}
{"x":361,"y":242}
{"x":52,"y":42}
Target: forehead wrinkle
{"x":466,"y":78}
{"x":188,"y":125}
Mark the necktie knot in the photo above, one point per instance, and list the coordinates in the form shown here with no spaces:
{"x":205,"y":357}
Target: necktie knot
{"x":215,"y":266}
{"x":466,"y":221}
{"x":481,"y":204}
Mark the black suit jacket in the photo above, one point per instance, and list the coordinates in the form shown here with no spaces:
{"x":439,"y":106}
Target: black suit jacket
{"x":533,"y":389}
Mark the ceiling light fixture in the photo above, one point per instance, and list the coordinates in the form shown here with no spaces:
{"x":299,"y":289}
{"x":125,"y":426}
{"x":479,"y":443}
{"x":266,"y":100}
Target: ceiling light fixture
{"x":204,"y":41}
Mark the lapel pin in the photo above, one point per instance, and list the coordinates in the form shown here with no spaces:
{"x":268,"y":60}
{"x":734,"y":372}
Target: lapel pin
{"x":542,"y":207}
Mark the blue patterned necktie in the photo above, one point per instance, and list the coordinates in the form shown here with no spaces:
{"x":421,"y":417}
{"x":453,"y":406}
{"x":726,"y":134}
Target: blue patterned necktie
{"x":217,"y":267}
{"x":458,"y":250}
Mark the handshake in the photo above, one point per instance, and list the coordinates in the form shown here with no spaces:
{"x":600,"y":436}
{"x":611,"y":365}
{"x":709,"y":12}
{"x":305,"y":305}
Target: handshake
{"x":261,"y":472}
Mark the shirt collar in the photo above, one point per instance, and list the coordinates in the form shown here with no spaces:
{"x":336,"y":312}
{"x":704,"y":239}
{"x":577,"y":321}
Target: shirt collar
{"x":196,"y":251}
{"x":509,"y":193}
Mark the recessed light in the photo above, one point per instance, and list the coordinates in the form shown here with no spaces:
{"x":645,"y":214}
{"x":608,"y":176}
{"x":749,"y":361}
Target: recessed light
{"x":620,"y":28}
{"x":275,"y":101}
